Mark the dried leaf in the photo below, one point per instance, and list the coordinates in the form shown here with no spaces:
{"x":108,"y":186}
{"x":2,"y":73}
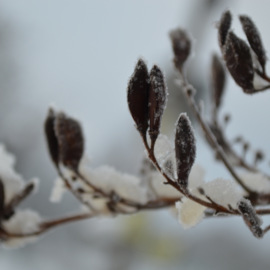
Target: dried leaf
{"x":185,"y":149}
{"x":70,"y":140}
{"x":218,"y":80}
{"x":51,"y":137}
{"x":2,"y":199}
{"x":250,"y":217}
{"x":239,"y":62}
{"x":181,"y":47}
{"x":157,"y":101}
{"x":254,"y":39}
{"x":138,"y":94}
{"x":224,"y":27}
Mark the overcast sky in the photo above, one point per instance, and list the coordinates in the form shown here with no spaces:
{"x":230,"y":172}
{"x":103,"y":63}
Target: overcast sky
{"x":78,"y":56}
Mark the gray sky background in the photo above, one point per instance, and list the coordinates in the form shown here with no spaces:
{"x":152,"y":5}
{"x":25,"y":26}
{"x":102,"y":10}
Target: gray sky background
{"x":78,"y":56}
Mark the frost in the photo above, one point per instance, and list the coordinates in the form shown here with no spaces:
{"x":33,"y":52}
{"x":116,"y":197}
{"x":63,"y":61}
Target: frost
{"x":58,"y":190}
{"x":257,"y":182}
{"x":223,"y":192}
{"x":23,"y":222}
{"x":189,"y":212}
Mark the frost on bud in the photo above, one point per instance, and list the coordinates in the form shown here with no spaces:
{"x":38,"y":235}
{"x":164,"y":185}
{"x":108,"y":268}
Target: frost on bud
{"x":239,"y":62}
{"x":224,"y":26}
{"x":70,"y":140}
{"x":250,"y":217}
{"x":51,"y":137}
{"x":185,"y":149}
{"x":218,"y":80}
{"x":254,"y":39}
{"x":181,"y":45}
{"x":157,"y":102}
{"x":138,"y":93}
{"x":2,"y":199}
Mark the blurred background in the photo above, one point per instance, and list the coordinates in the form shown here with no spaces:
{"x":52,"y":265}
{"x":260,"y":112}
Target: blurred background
{"x":78,"y":56}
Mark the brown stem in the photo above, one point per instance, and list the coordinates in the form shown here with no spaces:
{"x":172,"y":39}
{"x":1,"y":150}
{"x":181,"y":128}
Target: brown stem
{"x":47,"y":225}
{"x":74,"y":192}
{"x":217,"y":207}
{"x":208,"y":133}
{"x":263,"y":75}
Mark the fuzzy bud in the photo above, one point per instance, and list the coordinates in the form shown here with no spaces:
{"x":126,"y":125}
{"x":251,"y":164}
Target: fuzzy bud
{"x":51,"y":137}
{"x":250,"y":217}
{"x":224,"y":27}
{"x":157,"y":101}
{"x":138,"y":94}
{"x":70,"y":140}
{"x":185,"y":149}
{"x":239,"y":62}
{"x":181,"y":45}
{"x":218,"y":80}
{"x":254,"y":39}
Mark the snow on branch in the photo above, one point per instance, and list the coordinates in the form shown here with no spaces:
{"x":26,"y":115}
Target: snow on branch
{"x":169,"y":175}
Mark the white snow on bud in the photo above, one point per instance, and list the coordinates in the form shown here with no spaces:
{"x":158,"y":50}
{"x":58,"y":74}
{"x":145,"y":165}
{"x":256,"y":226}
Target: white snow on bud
{"x":13,"y":182}
{"x":99,"y":205}
{"x":257,"y":182}
{"x":157,"y":183}
{"x":190,"y":213}
{"x":161,"y":190}
{"x":223,"y":192}
{"x":163,"y":149}
{"x":58,"y":190}
{"x":196,"y":178}
{"x":110,"y":180}
{"x":22,"y":222}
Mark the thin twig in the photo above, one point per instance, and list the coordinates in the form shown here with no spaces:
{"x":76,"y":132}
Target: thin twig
{"x":190,"y":196}
{"x":188,"y":89}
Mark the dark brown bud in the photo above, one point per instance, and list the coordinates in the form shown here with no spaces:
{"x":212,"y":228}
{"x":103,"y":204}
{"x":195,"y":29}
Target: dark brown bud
{"x":227,"y":118}
{"x":259,"y":156}
{"x":224,"y":27}
{"x":254,"y":39}
{"x":51,"y":137}
{"x":250,"y":217}
{"x":2,"y":199}
{"x":245,"y":146}
{"x":181,"y":45}
{"x":218,"y":80}
{"x":138,"y":94}
{"x":239,"y":62}
{"x":70,"y":140}
{"x":157,"y":102}
{"x":185,"y":149}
